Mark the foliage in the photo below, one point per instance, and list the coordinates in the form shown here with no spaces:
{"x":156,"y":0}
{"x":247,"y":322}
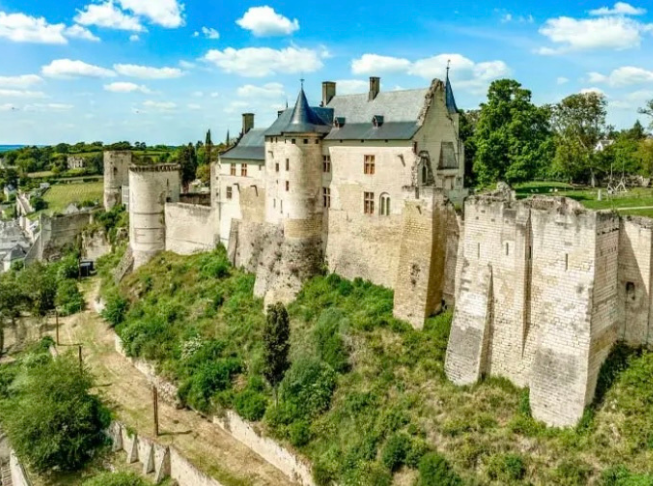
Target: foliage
{"x":512,"y":137}
{"x":115,"y":479}
{"x":115,"y":308}
{"x":621,"y":476}
{"x":251,"y":404}
{"x":435,"y":471}
{"x":50,"y":417}
{"x":329,"y":341}
{"x":38,"y":203}
{"x":307,"y":389}
{"x":276,"y":344}
{"x":395,"y":451}
{"x":69,"y":299}
{"x":506,"y":468}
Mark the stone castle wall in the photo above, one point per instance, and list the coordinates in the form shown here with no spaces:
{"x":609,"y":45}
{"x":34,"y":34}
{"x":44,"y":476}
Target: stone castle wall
{"x":116,"y":175}
{"x":189,"y":228}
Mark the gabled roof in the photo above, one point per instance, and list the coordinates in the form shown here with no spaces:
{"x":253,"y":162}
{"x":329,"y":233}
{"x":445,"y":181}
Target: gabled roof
{"x":367,"y":131}
{"x":250,"y":147}
{"x":393,"y":106}
{"x":302,"y":118}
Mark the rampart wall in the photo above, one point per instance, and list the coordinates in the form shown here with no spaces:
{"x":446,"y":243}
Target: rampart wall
{"x":189,"y":228}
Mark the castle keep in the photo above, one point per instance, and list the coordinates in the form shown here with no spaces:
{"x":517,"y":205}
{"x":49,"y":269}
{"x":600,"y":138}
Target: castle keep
{"x":363,"y":185}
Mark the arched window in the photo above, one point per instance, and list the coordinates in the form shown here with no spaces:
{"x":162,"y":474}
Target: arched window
{"x":384,"y":204}
{"x":425,"y":174}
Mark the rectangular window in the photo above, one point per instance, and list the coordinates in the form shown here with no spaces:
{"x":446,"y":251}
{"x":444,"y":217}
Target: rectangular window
{"x":326,"y":197}
{"x":230,"y":192}
{"x":243,"y":170}
{"x":232,"y":169}
{"x":369,"y":166}
{"x":287,"y":186}
{"x":293,"y":141}
{"x":287,"y":164}
{"x":276,"y":167}
{"x":368,"y":202}
{"x":326,"y":164}
{"x":305,"y":141}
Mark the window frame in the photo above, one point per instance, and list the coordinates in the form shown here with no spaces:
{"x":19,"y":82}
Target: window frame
{"x":368,"y":203}
{"x":369,"y":164}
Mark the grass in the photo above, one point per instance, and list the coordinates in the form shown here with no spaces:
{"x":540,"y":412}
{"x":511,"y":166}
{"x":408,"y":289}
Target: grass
{"x":60,"y":196}
{"x":389,"y":402}
{"x":634,"y":198}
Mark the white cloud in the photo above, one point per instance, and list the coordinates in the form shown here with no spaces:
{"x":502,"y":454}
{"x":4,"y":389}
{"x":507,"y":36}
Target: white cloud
{"x":15,"y":93}
{"x":620,"y":8}
{"x":59,"y":106}
{"x":109,"y":16}
{"x":264,"y":21}
{"x":24,"y":81}
{"x":562,"y":80}
{"x":19,"y":27}
{"x":375,"y":64}
{"x":186,"y":64}
{"x":124,"y":87}
{"x":194,"y":106}
{"x":7,"y":107}
{"x":465,"y":73}
{"x":506,"y":18}
{"x":48,"y":107}
{"x":623,"y":76}
{"x":269,"y":90}
{"x":166,"y":13}
{"x":352,"y":86}
{"x":615,"y":33}
{"x":236,"y":106}
{"x":598,"y":91}
{"x":79,"y":32}
{"x":264,"y":61}
{"x":67,"y":68}
{"x":210,"y":33}
{"x":160,"y":105}
{"x":632,"y":101}
{"x":147,"y":72}
{"x":134,"y":38}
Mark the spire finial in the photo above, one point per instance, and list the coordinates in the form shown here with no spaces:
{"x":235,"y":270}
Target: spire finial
{"x":448,"y":67}
{"x":302,"y":81}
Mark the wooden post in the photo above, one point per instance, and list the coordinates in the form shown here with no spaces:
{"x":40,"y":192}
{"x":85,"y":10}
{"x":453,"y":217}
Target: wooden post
{"x":81,"y":361}
{"x":155,"y":405}
{"x":56,"y":323}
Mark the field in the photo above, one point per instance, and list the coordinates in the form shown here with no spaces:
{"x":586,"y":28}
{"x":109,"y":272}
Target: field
{"x":635,"y":202}
{"x":60,"y":196}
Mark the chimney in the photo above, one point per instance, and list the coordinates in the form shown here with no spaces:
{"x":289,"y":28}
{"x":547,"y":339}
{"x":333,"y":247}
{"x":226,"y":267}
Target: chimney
{"x":248,"y":122}
{"x":375,"y":87}
{"x":328,"y":92}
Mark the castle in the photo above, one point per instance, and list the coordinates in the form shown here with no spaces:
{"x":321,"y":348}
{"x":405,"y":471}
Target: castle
{"x":364,"y":185}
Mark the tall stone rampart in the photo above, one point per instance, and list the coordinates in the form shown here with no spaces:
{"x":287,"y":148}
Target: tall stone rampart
{"x":189,"y":228}
{"x":116,"y":175}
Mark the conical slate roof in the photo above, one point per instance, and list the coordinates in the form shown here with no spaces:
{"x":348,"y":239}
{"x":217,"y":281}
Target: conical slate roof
{"x":451,"y":101}
{"x":302,"y":119}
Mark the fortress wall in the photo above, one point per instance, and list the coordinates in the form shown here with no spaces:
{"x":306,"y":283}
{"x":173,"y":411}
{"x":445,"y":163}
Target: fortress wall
{"x":189,"y":228}
{"x":634,"y":280}
{"x":454,"y":232}
{"x":60,"y":231}
{"x":116,"y":175}
{"x":95,"y":245}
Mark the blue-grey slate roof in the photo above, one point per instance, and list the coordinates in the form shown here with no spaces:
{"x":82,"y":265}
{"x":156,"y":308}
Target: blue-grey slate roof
{"x":250,"y":147}
{"x":302,"y":118}
{"x":393,"y":106}
{"x":367,"y":131}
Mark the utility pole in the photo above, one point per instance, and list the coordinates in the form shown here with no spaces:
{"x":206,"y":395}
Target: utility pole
{"x":81,"y":361}
{"x":155,"y":406}
{"x":56,"y":324}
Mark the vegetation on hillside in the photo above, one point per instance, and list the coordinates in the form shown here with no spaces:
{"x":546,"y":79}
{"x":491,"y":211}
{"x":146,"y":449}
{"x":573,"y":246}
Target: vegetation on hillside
{"x":366,"y":397}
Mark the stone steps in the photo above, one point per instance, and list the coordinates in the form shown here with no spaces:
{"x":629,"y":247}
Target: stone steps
{"x":5,"y":474}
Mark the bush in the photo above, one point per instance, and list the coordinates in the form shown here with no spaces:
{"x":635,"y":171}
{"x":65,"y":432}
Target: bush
{"x":328,"y":340}
{"x":115,"y":479}
{"x":215,"y":265}
{"x":395,"y":451}
{"x":571,"y":473}
{"x":68,"y":267}
{"x":621,"y":476}
{"x":206,"y":380}
{"x":435,"y":471}
{"x":69,"y":299}
{"x":300,"y":433}
{"x":251,"y":404}
{"x":307,"y":387}
{"x":115,"y":309}
{"x":506,"y":468}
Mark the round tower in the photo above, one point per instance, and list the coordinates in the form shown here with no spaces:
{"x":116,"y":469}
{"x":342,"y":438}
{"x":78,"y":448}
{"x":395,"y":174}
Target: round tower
{"x":116,"y":175}
{"x":150,"y":187}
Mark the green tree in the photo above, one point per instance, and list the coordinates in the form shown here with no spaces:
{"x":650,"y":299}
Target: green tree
{"x":12,"y":301}
{"x":276,"y":340}
{"x":512,"y":138}
{"x":52,"y":420}
{"x":579,"y":124}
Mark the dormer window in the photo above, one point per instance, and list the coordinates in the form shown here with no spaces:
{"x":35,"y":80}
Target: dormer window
{"x":377,"y":121}
{"x":339,"y":122}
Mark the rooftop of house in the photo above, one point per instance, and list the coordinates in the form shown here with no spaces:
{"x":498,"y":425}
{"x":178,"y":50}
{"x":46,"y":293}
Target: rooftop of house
{"x":250,"y":147}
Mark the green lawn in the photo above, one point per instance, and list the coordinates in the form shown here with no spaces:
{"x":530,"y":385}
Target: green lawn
{"x":634,"y":198}
{"x":60,"y":196}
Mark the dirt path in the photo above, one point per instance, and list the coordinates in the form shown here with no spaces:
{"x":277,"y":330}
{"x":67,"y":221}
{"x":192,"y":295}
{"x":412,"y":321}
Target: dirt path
{"x":126,"y":389}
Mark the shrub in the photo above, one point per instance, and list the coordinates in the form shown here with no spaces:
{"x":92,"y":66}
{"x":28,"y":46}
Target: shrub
{"x":435,"y":471}
{"x":395,"y":451}
{"x":215,"y":265}
{"x":69,"y":299}
{"x":68,"y":267}
{"x":115,"y":479}
{"x":506,"y":468}
{"x":299,"y":433}
{"x":571,"y":473}
{"x":206,"y":380}
{"x":328,"y":340}
{"x":308,"y":387}
{"x":251,"y":405}
{"x":621,"y":476}
{"x":115,"y":309}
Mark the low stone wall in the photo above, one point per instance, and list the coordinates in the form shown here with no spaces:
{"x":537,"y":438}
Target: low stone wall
{"x":189,"y":228}
{"x":18,"y":474}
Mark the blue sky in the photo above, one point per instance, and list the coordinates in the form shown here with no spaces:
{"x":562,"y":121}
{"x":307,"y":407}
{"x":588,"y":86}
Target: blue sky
{"x":164,"y":71}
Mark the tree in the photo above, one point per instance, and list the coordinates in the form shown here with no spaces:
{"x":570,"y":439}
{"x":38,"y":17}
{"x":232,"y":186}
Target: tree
{"x":579,"y":124}
{"x":51,"y":418}
{"x":12,"y":301}
{"x":512,"y":139}
{"x":648,"y":111}
{"x":187,"y":159}
{"x":276,"y":340}
{"x":204,"y":173}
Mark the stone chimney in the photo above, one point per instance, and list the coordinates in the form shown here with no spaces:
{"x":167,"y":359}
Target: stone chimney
{"x":375,"y":87}
{"x":328,"y":92}
{"x":248,"y":122}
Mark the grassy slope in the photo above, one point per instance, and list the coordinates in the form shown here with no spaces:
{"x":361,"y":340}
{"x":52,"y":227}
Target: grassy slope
{"x":396,"y":382}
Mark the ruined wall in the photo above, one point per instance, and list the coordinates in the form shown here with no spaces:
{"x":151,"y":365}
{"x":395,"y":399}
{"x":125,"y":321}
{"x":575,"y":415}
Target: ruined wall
{"x":454,"y":231}
{"x":189,"y":228}
{"x":95,"y":245}
{"x":59,"y":232}
{"x":116,"y":175}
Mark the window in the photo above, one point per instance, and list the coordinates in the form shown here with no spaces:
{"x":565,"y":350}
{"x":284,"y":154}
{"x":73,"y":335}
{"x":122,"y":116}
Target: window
{"x":385,"y":205}
{"x":567,"y":261}
{"x":368,"y":202}
{"x":293,"y":141}
{"x":415,"y":147}
{"x":326,"y":163}
{"x":276,"y":167}
{"x":232,"y":169}
{"x":425,"y":174}
{"x":305,"y":141}
{"x":369,"y":165}
{"x":274,"y":203}
{"x":230,"y":192}
{"x":326,"y":197}
{"x":507,"y":249}
{"x":243,"y":170}
{"x":287,"y":164}
{"x":287,"y":186}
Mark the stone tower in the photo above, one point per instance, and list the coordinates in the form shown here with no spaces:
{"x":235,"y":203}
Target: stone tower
{"x":116,"y":175}
{"x":293,"y":189}
{"x":150,"y":187}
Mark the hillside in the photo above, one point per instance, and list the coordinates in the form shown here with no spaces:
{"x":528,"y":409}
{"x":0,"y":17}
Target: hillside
{"x":366,"y":398}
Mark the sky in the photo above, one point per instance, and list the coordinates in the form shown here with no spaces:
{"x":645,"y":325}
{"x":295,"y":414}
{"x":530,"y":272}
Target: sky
{"x":165,"y":71}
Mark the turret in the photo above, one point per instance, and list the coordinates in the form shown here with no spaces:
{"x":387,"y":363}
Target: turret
{"x":116,"y":175}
